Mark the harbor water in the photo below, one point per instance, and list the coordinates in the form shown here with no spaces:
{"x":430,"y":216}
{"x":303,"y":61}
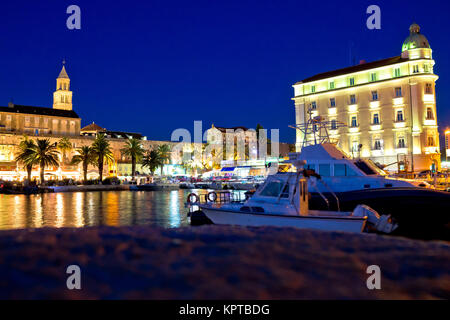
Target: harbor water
{"x":102,"y":208}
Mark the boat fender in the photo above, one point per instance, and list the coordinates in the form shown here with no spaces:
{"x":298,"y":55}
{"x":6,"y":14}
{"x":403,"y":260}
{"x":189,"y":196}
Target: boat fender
{"x":192,"y":198}
{"x":212,"y":196}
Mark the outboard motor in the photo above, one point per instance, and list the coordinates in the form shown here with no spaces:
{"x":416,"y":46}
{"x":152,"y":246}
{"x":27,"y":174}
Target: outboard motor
{"x":380,"y":223}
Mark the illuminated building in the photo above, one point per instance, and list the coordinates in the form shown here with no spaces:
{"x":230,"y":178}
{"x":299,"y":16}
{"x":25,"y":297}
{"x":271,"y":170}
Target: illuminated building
{"x":388,"y":106}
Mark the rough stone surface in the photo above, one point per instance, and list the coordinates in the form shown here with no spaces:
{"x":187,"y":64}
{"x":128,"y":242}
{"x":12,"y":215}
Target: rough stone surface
{"x":218,"y":262}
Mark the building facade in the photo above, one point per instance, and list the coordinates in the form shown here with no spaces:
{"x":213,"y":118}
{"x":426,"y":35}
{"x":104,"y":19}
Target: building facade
{"x":59,"y":122}
{"x":388,"y":107}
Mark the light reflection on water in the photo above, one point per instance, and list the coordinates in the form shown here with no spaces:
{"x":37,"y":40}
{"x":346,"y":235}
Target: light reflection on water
{"x":109,"y":208}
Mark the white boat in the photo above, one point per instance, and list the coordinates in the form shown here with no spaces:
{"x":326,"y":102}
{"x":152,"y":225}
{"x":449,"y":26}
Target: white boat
{"x":282,"y":201}
{"x":340,"y":173}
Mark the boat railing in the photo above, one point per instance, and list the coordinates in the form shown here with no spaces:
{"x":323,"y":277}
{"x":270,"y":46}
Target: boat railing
{"x":219,"y":197}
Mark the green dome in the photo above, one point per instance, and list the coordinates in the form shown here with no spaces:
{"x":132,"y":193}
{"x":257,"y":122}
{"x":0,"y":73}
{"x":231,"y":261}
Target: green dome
{"x":415,"y":39}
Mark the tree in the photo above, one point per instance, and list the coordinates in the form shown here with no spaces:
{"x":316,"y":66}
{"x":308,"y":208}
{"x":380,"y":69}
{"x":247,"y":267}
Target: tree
{"x":45,"y":154}
{"x":152,"y":160}
{"x":102,"y":151}
{"x":86,"y":157}
{"x":64,"y":145}
{"x":164,"y":154}
{"x":25,"y":153}
{"x":133,"y":148}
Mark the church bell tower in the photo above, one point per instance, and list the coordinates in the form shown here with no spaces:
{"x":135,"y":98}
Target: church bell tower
{"x":62,"y":97}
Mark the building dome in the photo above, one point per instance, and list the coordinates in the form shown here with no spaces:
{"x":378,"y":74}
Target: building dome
{"x":415,"y":39}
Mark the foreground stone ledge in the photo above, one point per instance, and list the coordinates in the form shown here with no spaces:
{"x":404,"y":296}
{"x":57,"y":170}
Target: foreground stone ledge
{"x":218,"y":262}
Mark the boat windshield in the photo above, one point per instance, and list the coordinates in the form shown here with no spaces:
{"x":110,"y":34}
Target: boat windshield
{"x":273,"y":189}
{"x":368,"y":167}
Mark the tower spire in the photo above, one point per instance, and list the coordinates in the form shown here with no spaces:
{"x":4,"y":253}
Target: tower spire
{"x":62,"y":97}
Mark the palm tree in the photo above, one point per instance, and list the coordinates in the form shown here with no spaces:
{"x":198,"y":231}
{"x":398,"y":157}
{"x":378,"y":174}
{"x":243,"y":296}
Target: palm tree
{"x":64,"y":145}
{"x":45,"y":154}
{"x":102,"y":152}
{"x":152,"y":160}
{"x":133,"y":148}
{"x":164,"y":154}
{"x":24,"y":155}
{"x":85,"y":156}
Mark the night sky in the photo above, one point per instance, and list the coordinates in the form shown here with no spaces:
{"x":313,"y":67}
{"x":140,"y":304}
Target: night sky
{"x":154,"y":66}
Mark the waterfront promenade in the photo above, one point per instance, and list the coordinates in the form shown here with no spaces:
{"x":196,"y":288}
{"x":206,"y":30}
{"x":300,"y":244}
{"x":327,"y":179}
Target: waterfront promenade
{"x":219,"y":262}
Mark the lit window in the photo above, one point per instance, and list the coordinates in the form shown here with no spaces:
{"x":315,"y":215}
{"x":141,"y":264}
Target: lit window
{"x":430,"y":115}
{"x":397,"y":72}
{"x":351,"y":81}
{"x":376,"y":119}
{"x":377,"y":144}
{"x":415,"y":68}
{"x":401,"y":143}
{"x":313,"y":105}
{"x":332,"y":85}
{"x":374,"y":95}
{"x":428,"y":88}
{"x":355,"y":146}
{"x":399,"y":116}
{"x":332,"y":102}
{"x":398,"y":92}
{"x":354,"y":122}
{"x":430,"y":141}
{"x":352,"y":99}
{"x":373,"y":77}
{"x":313,"y":88}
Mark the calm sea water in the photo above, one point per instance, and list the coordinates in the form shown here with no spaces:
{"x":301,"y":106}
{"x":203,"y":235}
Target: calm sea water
{"x":107,"y":208}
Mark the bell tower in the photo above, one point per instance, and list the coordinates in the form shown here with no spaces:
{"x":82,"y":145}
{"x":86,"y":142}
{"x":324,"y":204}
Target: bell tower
{"x":62,"y":97}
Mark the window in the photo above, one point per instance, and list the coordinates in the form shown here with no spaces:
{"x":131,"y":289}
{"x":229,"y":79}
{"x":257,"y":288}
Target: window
{"x":313,"y":88}
{"x":373,"y":77}
{"x":376,"y":119}
{"x":399,"y":116}
{"x":430,"y":115}
{"x":430,"y":141}
{"x":339,"y":169}
{"x":310,"y":167}
{"x":428,"y":88}
{"x":398,"y":91}
{"x":331,"y":85}
{"x":374,"y":95}
{"x":415,"y":68}
{"x":425,"y":68}
{"x":355,"y":146}
{"x":351,"y":81}
{"x":401,"y":143}
{"x":332,"y":102}
{"x":397,"y":72}
{"x":313,"y":105}
{"x":352,"y":99}
{"x":333,"y":124}
{"x":354,"y":122}
{"x":324,"y":170}
{"x":377,"y":144}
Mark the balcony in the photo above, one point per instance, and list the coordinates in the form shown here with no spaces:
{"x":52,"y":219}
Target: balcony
{"x":375,"y":126}
{"x":429,"y":122}
{"x":428,"y":98}
{"x":353,"y":108}
{"x":374,"y":104}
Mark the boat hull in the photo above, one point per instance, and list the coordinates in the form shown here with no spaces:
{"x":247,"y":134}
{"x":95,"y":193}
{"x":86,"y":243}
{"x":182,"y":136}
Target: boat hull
{"x":347,"y":224}
{"x":420,"y":213}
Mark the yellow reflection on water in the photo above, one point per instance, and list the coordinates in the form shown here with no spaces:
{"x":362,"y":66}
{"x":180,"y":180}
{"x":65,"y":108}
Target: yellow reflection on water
{"x":18,"y":216}
{"x":59,"y":210}
{"x":112,"y":209}
{"x":79,"y":209}
{"x":37,"y":220}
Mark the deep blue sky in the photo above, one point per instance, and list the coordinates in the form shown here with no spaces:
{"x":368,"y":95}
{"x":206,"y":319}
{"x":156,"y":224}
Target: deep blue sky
{"x":154,"y":66}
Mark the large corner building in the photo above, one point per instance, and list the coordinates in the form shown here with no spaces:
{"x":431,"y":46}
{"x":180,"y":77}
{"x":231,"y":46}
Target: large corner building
{"x":387,"y":107}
